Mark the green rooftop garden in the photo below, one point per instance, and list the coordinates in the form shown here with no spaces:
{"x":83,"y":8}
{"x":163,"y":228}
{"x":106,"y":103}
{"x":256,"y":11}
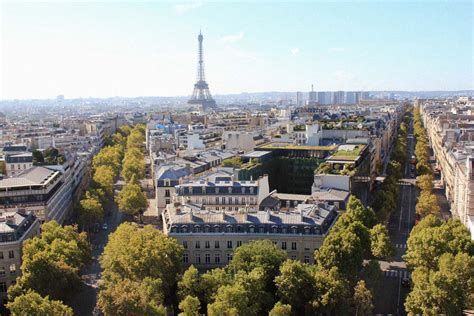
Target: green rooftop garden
{"x":348,"y":154}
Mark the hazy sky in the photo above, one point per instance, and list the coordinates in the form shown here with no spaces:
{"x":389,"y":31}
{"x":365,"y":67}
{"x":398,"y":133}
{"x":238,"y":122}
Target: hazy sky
{"x":149,"y":48}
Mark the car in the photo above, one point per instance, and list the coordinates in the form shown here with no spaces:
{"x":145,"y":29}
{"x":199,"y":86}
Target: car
{"x":406,"y":282}
{"x":105,"y":226}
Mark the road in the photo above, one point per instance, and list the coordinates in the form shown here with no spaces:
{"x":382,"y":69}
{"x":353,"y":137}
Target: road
{"x":391,"y":297}
{"x":85,"y":301}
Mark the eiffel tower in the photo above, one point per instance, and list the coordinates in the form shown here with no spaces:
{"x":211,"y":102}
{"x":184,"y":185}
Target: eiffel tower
{"x":201,"y":94}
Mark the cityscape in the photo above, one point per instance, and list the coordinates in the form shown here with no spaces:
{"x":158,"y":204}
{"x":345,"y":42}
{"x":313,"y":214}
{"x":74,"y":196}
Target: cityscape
{"x":272,"y":165}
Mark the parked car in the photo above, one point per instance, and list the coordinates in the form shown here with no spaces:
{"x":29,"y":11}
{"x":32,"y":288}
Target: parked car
{"x":406,"y":282}
{"x":105,"y":226}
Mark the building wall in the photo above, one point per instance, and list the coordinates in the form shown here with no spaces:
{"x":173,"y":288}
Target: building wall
{"x":16,"y":168}
{"x":305,"y":246}
{"x":10,"y":259}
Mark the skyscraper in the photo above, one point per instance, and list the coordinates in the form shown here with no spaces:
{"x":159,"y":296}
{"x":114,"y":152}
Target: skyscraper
{"x":201,"y":94}
{"x":312,"y":96}
{"x":299,"y":98}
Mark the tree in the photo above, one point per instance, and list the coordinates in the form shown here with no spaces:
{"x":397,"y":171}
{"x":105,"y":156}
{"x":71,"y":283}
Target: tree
{"x":324,"y":168}
{"x":91,"y":210}
{"x":295,"y":285}
{"x":331,"y":293}
{"x":357,"y":212}
{"x":131,"y":199}
{"x":258,"y":254}
{"x":380,"y":244}
{"x":427,"y":204}
{"x":134,"y":153}
{"x":280,"y":309}
{"x":425,"y":182}
{"x":426,"y":245}
{"x":38,"y":157}
{"x":57,"y":254}
{"x":108,"y":156}
{"x":372,"y":274}
{"x":104,"y":176}
{"x":190,"y":306}
{"x":133,"y":167}
{"x":31,"y":303}
{"x":135,"y":139}
{"x":447,"y":290}
{"x":235,"y":162}
{"x":362,"y":299}
{"x":231,"y":300}
{"x":127,"y":297}
{"x":149,"y":253}
{"x":345,"y":249}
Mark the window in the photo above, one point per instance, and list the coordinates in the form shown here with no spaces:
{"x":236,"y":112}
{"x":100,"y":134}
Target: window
{"x":167,"y":201}
{"x":252,"y":229}
{"x":230,"y":200}
{"x":2,"y":271}
{"x":229,"y":244}
{"x":197,"y":229}
{"x":11,"y":254}
{"x":283,"y":245}
{"x":197,"y":259}
{"x":293,"y":245}
{"x":13,"y":268}
{"x":239,"y":243}
{"x":208,"y":258}
{"x":293,"y":257}
{"x":283,"y":230}
{"x":207,"y":228}
{"x":306,"y":259}
{"x":294,"y":230}
{"x":1,"y":254}
{"x":262,"y":229}
{"x":216,"y":244}
{"x":207,"y":244}
{"x":274,"y":229}
{"x":167,"y":193}
{"x":230,"y":190}
{"x":229,"y":257}
{"x":306,"y":230}
{"x":216,"y":229}
{"x":185,"y":244}
{"x":217,"y":258}
{"x":229,"y":228}
{"x":198,"y":244}
{"x":185,"y":258}
{"x":274,"y":242}
{"x":3,"y":287}
{"x":217,"y":200}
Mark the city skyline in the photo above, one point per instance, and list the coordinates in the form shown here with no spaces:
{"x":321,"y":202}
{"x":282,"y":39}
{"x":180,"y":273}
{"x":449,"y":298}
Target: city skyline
{"x":123,"y":49}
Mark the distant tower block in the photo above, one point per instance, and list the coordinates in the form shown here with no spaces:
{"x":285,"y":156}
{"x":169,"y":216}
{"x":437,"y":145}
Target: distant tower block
{"x":201,"y":94}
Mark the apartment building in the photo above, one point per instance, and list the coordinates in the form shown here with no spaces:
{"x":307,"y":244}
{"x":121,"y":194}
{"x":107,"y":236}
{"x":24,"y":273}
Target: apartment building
{"x":15,"y":227}
{"x":45,"y":191}
{"x":450,"y":129}
{"x":210,"y":236}
{"x":223,"y":192}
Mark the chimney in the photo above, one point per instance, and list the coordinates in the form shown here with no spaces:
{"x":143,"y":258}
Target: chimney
{"x":10,"y":219}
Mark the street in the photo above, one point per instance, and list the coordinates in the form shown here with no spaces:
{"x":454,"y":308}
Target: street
{"x":85,"y":301}
{"x":391,"y":296}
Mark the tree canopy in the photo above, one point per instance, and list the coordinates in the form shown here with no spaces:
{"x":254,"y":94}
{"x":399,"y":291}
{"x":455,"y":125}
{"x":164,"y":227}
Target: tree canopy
{"x":57,"y":254}
{"x":31,"y":303}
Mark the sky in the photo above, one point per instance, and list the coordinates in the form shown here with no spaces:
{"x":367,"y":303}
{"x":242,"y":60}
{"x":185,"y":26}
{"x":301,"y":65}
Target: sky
{"x":149,"y":48}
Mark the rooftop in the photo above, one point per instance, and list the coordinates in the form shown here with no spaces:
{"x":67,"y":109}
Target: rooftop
{"x":281,"y":145}
{"x":348,"y":152}
{"x":29,"y":177}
